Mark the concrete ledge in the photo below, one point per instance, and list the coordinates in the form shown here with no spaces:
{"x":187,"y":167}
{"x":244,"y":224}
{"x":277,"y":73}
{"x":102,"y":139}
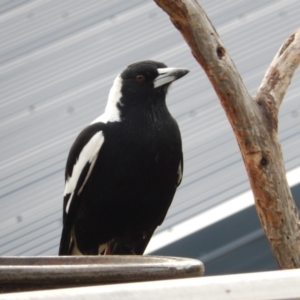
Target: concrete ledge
{"x":255,"y":286}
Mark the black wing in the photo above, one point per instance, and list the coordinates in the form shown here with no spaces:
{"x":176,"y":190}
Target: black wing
{"x":81,"y":160}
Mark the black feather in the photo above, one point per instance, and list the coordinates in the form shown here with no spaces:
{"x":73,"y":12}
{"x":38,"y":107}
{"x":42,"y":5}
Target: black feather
{"x":121,"y":199}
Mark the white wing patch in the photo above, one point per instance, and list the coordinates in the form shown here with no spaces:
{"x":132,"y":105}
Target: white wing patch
{"x":179,"y":173}
{"x":88,"y":154}
{"x":112,"y":113}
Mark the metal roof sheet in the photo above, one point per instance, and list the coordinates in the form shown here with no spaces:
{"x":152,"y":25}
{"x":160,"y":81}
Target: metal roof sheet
{"x":57,"y":62}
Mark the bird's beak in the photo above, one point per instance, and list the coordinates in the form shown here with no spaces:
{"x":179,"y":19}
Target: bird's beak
{"x":168,"y":75}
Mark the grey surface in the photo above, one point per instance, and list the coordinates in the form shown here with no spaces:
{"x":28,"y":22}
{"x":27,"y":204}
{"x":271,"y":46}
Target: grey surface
{"x":57,"y":62}
{"x":278,"y":285}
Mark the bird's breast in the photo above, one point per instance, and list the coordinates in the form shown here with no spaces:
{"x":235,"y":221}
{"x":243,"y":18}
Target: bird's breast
{"x":143,"y":146}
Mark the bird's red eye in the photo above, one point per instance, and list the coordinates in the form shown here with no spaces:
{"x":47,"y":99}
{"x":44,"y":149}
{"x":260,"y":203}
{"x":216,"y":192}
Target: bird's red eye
{"x":140,"y":78}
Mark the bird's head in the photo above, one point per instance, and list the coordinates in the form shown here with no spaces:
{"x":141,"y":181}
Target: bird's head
{"x":147,"y":79}
{"x":140,"y":85}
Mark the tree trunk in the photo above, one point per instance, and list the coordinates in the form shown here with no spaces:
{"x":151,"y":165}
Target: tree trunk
{"x":254,"y":121}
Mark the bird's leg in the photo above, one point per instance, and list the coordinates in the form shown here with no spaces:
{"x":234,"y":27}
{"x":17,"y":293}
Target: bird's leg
{"x":108,"y":250}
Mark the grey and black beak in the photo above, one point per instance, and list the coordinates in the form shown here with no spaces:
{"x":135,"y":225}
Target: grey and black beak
{"x":168,"y":75}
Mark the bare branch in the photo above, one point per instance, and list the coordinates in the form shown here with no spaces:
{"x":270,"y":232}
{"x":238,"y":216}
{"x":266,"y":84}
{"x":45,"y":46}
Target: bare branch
{"x":279,"y":75}
{"x":254,"y":122}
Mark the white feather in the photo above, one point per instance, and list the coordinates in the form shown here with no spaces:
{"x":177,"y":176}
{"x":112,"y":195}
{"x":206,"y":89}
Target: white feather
{"x":112,"y":112}
{"x":89,"y":154}
{"x":179,"y":174}
{"x":75,"y":250}
{"x":89,"y":173}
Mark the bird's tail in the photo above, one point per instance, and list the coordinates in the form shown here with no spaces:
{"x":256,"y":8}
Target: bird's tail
{"x":129,"y":246}
{"x":66,"y":242}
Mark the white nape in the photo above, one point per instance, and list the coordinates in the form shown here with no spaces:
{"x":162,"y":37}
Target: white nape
{"x":112,"y":113}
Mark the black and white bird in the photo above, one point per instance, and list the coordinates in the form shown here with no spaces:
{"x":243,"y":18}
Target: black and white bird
{"x":123,"y":169}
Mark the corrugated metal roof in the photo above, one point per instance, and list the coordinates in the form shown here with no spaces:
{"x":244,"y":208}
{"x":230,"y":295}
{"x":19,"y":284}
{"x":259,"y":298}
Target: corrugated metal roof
{"x":57,"y":62}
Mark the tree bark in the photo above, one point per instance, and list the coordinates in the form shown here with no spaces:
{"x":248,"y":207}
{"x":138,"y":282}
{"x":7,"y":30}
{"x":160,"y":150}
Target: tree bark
{"x":254,"y":121}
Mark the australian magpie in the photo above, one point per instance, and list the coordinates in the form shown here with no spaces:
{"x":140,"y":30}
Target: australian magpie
{"x":123,"y":169}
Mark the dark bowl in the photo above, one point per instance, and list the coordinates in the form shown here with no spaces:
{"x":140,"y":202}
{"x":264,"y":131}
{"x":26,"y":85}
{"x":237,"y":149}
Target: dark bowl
{"x":46,"y":272}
